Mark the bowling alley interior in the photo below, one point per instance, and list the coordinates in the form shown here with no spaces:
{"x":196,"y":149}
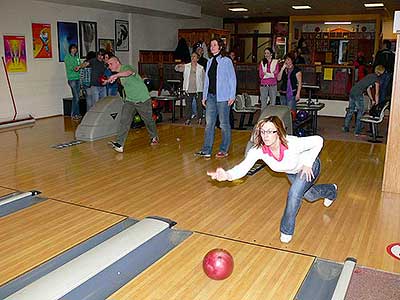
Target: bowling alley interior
{"x":108,"y":189}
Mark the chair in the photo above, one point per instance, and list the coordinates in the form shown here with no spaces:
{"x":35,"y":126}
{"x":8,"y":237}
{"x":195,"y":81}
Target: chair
{"x":240,"y":107}
{"x":373,"y":123}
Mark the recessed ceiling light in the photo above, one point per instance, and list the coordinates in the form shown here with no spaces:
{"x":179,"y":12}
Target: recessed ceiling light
{"x":338,"y":23}
{"x":374,"y":5}
{"x":238,"y":9}
{"x":301,"y":7}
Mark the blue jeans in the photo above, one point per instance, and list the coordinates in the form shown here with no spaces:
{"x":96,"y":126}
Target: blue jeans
{"x":75,"y":86}
{"x":214,"y":109}
{"x":112,"y":89}
{"x":96,"y":93}
{"x":356,"y":105}
{"x":289,"y":101}
{"x":385,"y":86}
{"x":300,"y":189}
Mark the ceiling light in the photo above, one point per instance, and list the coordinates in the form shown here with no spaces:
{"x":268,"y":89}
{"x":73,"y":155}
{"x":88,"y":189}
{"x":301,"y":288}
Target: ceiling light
{"x":374,"y":5}
{"x":238,"y":9}
{"x":338,"y":23}
{"x":301,"y":7}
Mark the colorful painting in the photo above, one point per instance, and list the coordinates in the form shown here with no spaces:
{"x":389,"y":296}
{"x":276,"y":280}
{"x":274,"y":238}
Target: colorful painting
{"x":67,"y":35}
{"x":15,"y":53}
{"x":107,"y":44}
{"x":87,"y":37}
{"x":122,"y":35}
{"x":41,"y":36}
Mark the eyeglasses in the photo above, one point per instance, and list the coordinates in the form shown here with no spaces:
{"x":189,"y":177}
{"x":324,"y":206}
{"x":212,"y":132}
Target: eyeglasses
{"x":269,"y":132}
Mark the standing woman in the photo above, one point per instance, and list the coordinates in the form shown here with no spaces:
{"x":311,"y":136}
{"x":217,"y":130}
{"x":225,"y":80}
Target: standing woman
{"x":297,"y":157}
{"x":193,"y":80}
{"x":72,"y":66}
{"x":291,"y":77}
{"x":268,"y":72}
{"x":219,"y":94}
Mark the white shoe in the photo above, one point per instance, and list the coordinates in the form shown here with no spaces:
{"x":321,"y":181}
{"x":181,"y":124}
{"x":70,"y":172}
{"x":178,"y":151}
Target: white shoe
{"x":328,"y":202}
{"x":286,"y":238}
{"x":117,"y":147}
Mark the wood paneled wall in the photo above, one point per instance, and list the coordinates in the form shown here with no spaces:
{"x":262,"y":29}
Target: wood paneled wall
{"x":391,"y":175}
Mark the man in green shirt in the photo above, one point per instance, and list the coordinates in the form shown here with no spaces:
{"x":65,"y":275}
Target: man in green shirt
{"x":137,"y":100}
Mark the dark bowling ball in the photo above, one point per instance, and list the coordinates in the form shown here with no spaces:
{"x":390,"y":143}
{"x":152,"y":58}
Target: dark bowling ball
{"x":300,"y":132}
{"x":302,"y":115}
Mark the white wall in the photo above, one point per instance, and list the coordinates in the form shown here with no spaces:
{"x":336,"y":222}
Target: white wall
{"x":154,"y":33}
{"x":40,"y":90}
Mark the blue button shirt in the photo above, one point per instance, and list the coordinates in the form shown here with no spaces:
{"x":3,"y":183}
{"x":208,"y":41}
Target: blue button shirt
{"x":226,"y":79}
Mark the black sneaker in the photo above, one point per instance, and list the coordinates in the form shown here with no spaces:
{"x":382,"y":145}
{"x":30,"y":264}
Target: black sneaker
{"x":117,"y":147}
{"x":202,"y":154}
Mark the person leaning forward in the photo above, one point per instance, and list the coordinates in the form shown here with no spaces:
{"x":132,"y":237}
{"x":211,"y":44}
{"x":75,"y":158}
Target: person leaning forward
{"x":137,"y":100}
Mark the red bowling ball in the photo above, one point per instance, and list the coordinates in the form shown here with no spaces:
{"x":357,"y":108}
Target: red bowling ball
{"x":218,"y":264}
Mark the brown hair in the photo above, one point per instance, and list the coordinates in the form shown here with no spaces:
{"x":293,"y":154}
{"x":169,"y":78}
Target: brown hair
{"x":290,"y":55}
{"x":221,"y":45}
{"x":280,"y":127}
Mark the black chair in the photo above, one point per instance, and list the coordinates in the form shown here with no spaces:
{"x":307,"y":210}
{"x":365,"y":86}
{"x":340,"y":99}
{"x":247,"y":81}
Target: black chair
{"x":373,"y":123}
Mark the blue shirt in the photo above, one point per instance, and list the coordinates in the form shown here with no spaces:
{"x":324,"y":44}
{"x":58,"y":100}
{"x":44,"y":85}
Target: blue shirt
{"x":226,"y":79}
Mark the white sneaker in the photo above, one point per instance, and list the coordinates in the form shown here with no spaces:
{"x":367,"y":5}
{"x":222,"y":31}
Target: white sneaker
{"x":286,"y":238}
{"x":117,"y":147}
{"x":328,"y":202}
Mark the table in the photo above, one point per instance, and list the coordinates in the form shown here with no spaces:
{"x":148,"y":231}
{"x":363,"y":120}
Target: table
{"x":313,"y":109}
{"x":168,"y":98}
{"x":310,"y":88}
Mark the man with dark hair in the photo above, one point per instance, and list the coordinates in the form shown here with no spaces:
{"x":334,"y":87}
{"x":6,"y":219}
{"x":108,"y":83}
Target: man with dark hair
{"x":199,"y":50}
{"x":97,"y":88}
{"x":385,"y":57}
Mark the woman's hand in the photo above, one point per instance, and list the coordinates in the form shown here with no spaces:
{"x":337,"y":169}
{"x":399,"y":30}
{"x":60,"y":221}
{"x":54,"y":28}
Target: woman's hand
{"x":220,"y":175}
{"x":307,"y":172}
{"x":297,"y":97}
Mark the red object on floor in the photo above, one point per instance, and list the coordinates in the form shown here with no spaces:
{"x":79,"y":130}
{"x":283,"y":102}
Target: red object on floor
{"x":218,"y":264}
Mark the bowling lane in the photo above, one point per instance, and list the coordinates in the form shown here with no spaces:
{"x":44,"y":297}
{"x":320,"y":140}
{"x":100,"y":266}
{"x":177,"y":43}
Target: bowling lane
{"x":259,"y":273}
{"x":5,"y":191}
{"x":38,"y":233}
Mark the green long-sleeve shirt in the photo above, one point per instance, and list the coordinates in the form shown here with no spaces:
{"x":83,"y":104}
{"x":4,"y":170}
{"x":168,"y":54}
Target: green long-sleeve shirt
{"x":70,"y":63}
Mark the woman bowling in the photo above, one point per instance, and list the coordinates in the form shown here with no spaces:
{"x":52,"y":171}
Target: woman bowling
{"x":297,"y":157}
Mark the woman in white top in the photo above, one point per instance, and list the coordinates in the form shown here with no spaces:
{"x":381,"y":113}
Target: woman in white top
{"x":297,"y":157}
{"x":193,"y":81}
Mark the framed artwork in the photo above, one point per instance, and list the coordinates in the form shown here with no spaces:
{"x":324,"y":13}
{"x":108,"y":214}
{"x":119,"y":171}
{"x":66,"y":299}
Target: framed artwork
{"x":15,"y":53}
{"x":41,"y":40}
{"x":121,"y":35}
{"x":107,"y":44}
{"x":67,"y":35}
{"x":87,"y":37}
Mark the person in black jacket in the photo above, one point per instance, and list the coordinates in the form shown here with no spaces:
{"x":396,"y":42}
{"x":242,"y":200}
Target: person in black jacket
{"x":385,"y":57}
{"x":292,"y":79}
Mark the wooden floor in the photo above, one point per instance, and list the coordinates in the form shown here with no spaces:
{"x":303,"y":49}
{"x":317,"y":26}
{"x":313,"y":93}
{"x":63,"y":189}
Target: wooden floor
{"x":167,"y":180}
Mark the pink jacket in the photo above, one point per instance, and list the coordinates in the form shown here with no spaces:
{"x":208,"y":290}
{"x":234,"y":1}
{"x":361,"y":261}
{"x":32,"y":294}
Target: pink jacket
{"x":268,"y":76}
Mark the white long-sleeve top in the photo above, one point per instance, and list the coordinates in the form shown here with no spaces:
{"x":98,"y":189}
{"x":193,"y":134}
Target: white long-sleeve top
{"x":186,"y":74}
{"x":301,"y":151}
